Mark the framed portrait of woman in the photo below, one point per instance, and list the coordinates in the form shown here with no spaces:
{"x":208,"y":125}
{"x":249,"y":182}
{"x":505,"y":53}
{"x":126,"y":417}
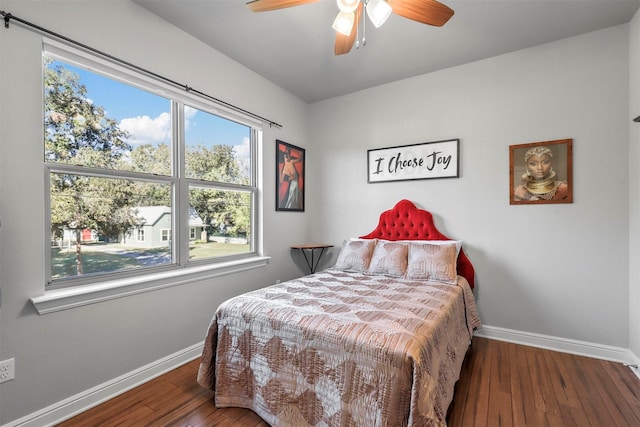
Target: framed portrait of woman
{"x":541,"y":172}
{"x":289,"y":177}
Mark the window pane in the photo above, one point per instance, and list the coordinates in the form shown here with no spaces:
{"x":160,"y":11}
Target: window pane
{"x":217,"y":149}
{"x":101,"y":225}
{"x":95,"y":121}
{"x":110,"y":142}
{"x":221,"y":220}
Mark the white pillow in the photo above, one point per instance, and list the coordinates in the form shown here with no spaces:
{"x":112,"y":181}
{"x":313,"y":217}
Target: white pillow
{"x":389,"y":258}
{"x":437,"y":262}
{"x":355,"y":255}
{"x":458,"y":243}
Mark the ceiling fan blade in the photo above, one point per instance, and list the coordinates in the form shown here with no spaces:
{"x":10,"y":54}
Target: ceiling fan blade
{"x":345,"y":43}
{"x":265,"y":5}
{"x":430,"y":12}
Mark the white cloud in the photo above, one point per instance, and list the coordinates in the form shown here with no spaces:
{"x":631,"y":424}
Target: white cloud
{"x":145,"y":130}
{"x":243,"y":151}
{"x":189,"y":112}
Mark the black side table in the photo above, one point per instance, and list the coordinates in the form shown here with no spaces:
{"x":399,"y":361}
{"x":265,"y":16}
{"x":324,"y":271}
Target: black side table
{"x":313,"y":264}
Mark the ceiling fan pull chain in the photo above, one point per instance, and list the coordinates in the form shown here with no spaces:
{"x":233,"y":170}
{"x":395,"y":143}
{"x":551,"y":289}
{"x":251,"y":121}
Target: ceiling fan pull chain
{"x":357,"y":36}
{"x":358,"y":19}
{"x":364,"y":23}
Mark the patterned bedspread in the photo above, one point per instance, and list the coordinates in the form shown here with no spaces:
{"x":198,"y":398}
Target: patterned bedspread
{"x":341,"y":349}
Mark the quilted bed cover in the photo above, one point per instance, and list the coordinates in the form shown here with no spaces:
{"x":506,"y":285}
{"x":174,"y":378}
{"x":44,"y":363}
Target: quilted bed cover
{"x":341,"y":349}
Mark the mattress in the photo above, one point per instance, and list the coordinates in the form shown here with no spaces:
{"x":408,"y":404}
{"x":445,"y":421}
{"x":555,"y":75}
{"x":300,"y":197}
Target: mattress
{"x":338,"y":348}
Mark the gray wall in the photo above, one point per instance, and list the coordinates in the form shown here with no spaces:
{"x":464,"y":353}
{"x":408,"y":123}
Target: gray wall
{"x":557,"y":270}
{"x":59,"y":355}
{"x":634,"y":187}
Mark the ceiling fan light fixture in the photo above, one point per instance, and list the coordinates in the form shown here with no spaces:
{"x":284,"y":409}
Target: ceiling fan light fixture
{"x":348,"y":6}
{"x":378,"y":12}
{"x":351,"y":16}
{"x":344,"y":22}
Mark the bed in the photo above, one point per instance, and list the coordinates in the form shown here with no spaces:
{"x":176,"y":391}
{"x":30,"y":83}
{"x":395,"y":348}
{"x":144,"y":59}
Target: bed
{"x":376,"y":340}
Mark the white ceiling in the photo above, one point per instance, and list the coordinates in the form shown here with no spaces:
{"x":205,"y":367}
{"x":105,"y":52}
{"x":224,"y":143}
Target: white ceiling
{"x":294,"y":47}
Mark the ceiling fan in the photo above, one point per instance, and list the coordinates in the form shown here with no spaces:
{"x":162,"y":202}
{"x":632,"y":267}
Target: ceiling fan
{"x":346,"y":24}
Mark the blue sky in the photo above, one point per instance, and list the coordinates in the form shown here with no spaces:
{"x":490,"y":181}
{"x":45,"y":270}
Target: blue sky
{"x":146,"y":116}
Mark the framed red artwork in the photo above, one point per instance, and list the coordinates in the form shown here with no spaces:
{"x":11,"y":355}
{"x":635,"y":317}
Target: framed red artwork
{"x":289,"y":177}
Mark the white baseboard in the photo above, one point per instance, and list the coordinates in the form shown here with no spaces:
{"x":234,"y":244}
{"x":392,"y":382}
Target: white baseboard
{"x":635,"y":364}
{"x":74,"y":405}
{"x":564,"y":345}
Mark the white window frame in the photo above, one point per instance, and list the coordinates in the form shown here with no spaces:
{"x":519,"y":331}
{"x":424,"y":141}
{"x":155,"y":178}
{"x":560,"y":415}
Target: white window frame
{"x":115,"y":285}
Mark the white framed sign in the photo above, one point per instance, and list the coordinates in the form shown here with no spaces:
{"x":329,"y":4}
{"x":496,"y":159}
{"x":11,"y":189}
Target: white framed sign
{"x":427,"y":160}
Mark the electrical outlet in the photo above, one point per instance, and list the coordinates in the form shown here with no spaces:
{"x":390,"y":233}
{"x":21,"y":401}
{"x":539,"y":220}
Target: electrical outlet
{"x":7,"y":370}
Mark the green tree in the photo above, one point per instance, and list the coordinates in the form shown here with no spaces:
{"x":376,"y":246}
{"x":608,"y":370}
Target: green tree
{"x":218,"y":209}
{"x":217,"y":163}
{"x":156,"y":160}
{"x":151,"y":159}
{"x":78,"y":132}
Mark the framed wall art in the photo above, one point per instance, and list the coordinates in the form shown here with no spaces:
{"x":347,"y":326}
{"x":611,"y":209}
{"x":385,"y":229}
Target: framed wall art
{"x":541,"y":172}
{"x":289,"y":177}
{"x":437,"y":159}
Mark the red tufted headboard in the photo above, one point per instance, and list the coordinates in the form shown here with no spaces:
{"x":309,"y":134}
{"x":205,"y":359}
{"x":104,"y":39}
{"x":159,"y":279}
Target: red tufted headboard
{"x":406,"y":222}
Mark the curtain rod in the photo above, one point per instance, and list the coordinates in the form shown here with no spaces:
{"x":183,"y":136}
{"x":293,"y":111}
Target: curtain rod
{"x":8,"y":17}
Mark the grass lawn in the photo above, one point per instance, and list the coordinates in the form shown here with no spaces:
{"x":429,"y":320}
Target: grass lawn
{"x":102,"y":258}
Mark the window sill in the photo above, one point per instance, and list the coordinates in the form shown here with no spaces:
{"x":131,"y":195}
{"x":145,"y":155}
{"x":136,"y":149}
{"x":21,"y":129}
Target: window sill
{"x":63,"y":299}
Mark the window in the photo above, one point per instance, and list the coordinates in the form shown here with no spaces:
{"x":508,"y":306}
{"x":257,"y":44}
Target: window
{"x":159,"y":179}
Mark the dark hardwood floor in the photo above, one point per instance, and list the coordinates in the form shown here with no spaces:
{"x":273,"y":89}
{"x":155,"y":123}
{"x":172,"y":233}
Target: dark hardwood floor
{"x":501,"y":384}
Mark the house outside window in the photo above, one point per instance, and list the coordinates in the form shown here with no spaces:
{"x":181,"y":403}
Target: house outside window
{"x":126,"y":155}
